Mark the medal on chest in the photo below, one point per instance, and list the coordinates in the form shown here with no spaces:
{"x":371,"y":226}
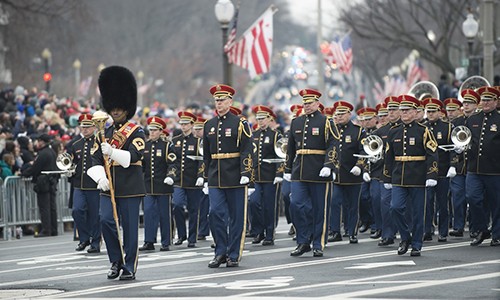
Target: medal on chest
{"x":266,"y":140}
{"x":493,"y":127}
{"x":158,"y":152}
{"x":227,"y":132}
{"x":439,"y":136}
{"x":412,"y":141}
{"x":315,"y":131}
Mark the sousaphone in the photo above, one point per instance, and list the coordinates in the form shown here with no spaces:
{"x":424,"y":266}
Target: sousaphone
{"x":424,"y":89}
{"x":473,"y":83}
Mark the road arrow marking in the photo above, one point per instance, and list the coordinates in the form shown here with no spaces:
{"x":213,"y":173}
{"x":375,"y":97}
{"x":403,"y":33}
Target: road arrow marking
{"x":382,"y":264}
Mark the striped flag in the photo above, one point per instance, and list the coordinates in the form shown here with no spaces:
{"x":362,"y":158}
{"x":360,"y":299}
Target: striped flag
{"x":342,"y":53}
{"x":85,"y":86}
{"x":416,"y":73}
{"x":253,"y":50}
{"x":232,"y":34}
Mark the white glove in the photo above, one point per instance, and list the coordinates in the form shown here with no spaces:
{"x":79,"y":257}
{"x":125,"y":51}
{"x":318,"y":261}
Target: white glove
{"x":366,"y":177}
{"x":388,"y":186}
{"x":373,"y":159}
{"x":334,"y":176}
{"x":277,"y":180}
{"x":325,"y":172}
{"x":430,"y":182}
{"x":250,"y":191}
{"x":71,"y":172}
{"x":96,"y":172}
{"x":199,"y":181}
{"x":103,"y":184}
{"x":452,"y":172}
{"x":356,"y":171}
{"x":244,"y":180}
{"x":205,"y":190}
{"x":168,"y":180}
{"x":287,"y":176}
{"x":459,"y":150}
{"x":106,"y":149}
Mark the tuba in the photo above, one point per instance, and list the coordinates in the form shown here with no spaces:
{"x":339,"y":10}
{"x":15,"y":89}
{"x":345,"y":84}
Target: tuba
{"x":373,"y":146}
{"x":473,"y":82}
{"x":424,"y":89}
{"x":460,"y":137}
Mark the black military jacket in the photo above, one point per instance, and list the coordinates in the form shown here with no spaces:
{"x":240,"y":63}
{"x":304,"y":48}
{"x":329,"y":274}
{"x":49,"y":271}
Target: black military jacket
{"x":348,"y":145}
{"x":411,"y":156}
{"x":45,"y":160}
{"x":127,"y":182}
{"x":188,"y":170}
{"x":377,"y":169}
{"x":483,"y":157}
{"x":311,"y":147}
{"x":458,"y":159}
{"x":264,"y":141}
{"x":80,"y":150}
{"x":157,"y":163}
{"x":442,"y":132}
{"x":227,"y":151}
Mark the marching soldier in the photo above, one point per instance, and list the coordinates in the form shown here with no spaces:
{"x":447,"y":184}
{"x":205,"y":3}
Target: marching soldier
{"x":483,"y":167}
{"x":382,"y":114}
{"x":410,"y":166}
{"x":347,"y":185}
{"x":227,"y":152}
{"x":309,"y":164}
{"x":203,"y":226}
{"x":85,"y":193}
{"x":437,"y":196}
{"x":188,"y":181}
{"x":157,"y":165}
{"x":124,"y":146}
{"x":263,"y":201}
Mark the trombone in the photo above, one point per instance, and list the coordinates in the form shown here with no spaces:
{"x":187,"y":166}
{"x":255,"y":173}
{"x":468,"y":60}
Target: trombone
{"x":460,"y":137}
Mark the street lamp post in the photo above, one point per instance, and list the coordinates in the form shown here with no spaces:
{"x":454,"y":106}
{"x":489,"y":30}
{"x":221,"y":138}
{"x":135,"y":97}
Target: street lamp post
{"x":470,"y":27}
{"x":47,"y":60}
{"x":224,"y":12}
{"x":77,"y":65}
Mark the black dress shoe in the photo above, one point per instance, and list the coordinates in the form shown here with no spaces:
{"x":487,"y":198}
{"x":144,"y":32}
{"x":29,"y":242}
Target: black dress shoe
{"x":353,"y":239}
{"x":363,"y":228}
{"x":336,"y":237}
{"x":93,"y":249}
{"x":317,"y":253}
{"x":427,"y":237}
{"x":180,"y":241}
{"x":291,"y":231}
{"x":480,"y":238}
{"x":114,"y":272}
{"x":212,"y":246}
{"x":377,"y":234}
{"x":165,"y":248}
{"x":201,"y":238}
{"x":301,"y":249}
{"x":403,"y":247}
{"x":346,"y":234}
{"x":127,"y":275}
{"x":191,"y":245}
{"x":268,"y":243}
{"x":259,"y":238}
{"x":473,"y":234}
{"x":82,"y":246}
{"x":457,"y":233}
{"x":217,"y":261}
{"x":386,"y":242}
{"x":232,"y":263}
{"x":147,"y":247}
{"x":442,"y":239}
{"x":495,"y":242}
{"x":415,"y":252}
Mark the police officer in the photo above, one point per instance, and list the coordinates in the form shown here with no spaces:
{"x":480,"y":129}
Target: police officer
{"x":124,"y":147}
{"x":263,"y":201}
{"x":437,"y":196}
{"x":188,"y":181}
{"x":309,"y":164}
{"x":483,"y":167}
{"x":85,"y":194}
{"x":203,"y":225}
{"x":411,"y":164}
{"x":347,"y":185}
{"x":157,"y":164}
{"x":227,"y":152}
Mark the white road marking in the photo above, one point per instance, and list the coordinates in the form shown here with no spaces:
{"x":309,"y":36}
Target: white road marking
{"x":382,"y":264}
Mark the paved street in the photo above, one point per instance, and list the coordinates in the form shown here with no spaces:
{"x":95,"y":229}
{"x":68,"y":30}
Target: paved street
{"x":50,"y":268}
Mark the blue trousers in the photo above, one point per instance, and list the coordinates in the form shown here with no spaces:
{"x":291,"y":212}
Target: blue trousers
{"x":286,"y":188}
{"x":413,"y":197}
{"x":203,"y":227}
{"x":157,"y":209}
{"x":262,"y":207}
{"x":388,"y":226}
{"x":228,"y":209}
{"x":86,"y":216}
{"x":365,"y":205}
{"x":437,"y":202}
{"x":457,"y":188}
{"x":484,"y":191}
{"x":128,"y":214}
{"x":189,"y":198}
{"x":310,"y":200}
{"x":375,"y":200}
{"x":347,"y":198}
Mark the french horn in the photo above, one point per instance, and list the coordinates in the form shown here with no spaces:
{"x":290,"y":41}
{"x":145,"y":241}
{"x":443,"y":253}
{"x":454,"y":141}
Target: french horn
{"x":460,"y":137}
{"x":280,"y":148}
{"x":424,"y":89}
{"x":64,"y":163}
{"x":473,"y":82}
{"x":373,"y":146}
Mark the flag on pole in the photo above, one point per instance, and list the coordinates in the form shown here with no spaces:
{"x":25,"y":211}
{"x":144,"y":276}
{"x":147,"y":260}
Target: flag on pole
{"x":232,"y":34}
{"x":85,"y":86}
{"x":253,"y":50}
{"x":416,"y":72}
{"x":342,"y":53}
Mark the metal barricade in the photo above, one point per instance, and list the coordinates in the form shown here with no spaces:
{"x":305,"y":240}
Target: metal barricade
{"x":20,"y":204}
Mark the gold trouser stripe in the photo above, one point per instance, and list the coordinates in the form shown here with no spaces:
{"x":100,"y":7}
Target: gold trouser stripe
{"x":311,"y":151}
{"x":242,"y":240}
{"x":137,"y":163}
{"x":409,"y":158}
{"x":225,"y":155}
{"x":324,"y":232}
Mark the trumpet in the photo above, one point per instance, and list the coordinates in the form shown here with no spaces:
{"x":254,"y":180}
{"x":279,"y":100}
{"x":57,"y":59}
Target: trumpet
{"x":64,"y":163}
{"x":460,"y":137}
{"x":372,"y":145}
{"x":280,"y":148}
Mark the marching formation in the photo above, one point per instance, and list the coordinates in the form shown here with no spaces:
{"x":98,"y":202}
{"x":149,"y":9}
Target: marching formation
{"x":390,"y":171}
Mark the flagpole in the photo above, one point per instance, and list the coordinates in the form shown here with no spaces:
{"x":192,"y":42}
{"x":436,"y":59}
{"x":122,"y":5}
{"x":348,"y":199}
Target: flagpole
{"x":319,"y":37}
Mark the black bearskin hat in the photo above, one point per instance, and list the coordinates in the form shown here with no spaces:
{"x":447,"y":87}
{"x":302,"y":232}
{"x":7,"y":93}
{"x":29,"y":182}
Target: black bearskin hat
{"x":118,"y":90}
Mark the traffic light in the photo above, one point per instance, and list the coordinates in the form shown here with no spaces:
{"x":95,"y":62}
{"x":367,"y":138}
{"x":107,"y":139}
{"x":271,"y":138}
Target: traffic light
{"x":47,"y":77}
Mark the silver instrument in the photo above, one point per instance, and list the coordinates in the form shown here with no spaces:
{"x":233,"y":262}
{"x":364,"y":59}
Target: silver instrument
{"x":424,"y":89}
{"x":373,"y":146}
{"x":473,"y":82}
{"x":460,"y":137}
{"x":280,"y":149}
{"x":64,"y":162}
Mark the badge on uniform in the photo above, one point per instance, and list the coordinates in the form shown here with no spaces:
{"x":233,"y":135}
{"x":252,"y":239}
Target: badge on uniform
{"x":298,"y":131}
{"x":439,"y":135}
{"x":158,"y":152}
{"x":315,"y":131}
{"x":493,"y":127}
{"x":191,"y":148}
{"x":347,"y":138}
{"x":412,"y":141}
{"x":212,"y":131}
{"x":178,"y":144}
{"x":228,"y":132}
{"x":266,"y":140}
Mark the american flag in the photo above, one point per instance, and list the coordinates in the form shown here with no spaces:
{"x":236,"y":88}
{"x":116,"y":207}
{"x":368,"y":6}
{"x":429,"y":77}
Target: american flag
{"x":85,"y":86}
{"x":232,"y":34}
{"x":342,"y":53}
{"x":416,"y":73}
{"x":254,"y":49}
